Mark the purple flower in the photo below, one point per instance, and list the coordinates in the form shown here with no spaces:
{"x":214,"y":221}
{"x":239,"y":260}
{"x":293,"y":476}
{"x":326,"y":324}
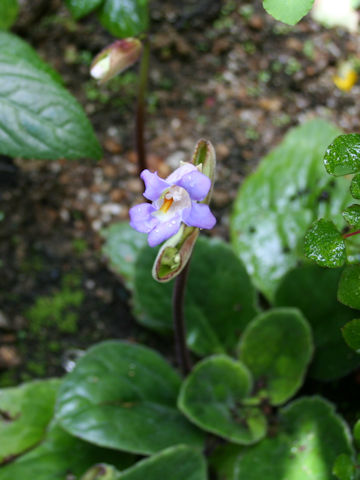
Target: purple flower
{"x":174,"y":200}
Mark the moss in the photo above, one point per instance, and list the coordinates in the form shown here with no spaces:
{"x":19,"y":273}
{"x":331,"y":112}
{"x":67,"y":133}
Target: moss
{"x":59,"y":310}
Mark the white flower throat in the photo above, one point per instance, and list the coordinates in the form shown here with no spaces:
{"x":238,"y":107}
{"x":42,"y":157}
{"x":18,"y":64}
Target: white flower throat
{"x":172,"y":201}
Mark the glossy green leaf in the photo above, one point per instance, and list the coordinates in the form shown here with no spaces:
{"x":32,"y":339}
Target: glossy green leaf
{"x":277,"y":347}
{"x":309,"y":439}
{"x":351,"y":334}
{"x":13,"y":46}
{"x":344,"y":468}
{"x":304,"y":289}
{"x":176,"y":463}
{"x":25,"y":412}
{"x":125,"y":18}
{"x":38,"y":117}
{"x":276,"y":205}
{"x":122,"y":246}
{"x":343,"y":155}
{"x":80,"y":8}
{"x":8,"y":13}
{"x":212,"y":397}
{"x":349,"y":287}
{"x":61,"y":456}
{"x":220,"y":300}
{"x":123,"y":396}
{"x":352,"y":215}
{"x":290,"y":12}
{"x":355,"y":186}
{"x":324,"y":244}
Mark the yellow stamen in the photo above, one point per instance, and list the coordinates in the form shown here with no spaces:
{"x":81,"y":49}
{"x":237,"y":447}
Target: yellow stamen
{"x":166,"y":205}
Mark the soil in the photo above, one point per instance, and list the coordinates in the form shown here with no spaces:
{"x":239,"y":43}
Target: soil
{"x":238,"y":80}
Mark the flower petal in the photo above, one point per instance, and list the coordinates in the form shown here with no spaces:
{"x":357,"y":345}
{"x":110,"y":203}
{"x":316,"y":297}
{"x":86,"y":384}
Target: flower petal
{"x":141,"y":218}
{"x":196,"y":184}
{"x":199,"y":216}
{"x":154,"y":185}
{"x":177,"y":174}
{"x":163,"y":231}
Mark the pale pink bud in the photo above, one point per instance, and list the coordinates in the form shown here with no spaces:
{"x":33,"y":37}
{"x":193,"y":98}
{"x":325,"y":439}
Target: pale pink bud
{"x":115,"y":58}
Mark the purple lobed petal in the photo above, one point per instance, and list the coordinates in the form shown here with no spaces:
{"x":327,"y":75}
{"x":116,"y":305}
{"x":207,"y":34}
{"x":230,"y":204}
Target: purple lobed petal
{"x":196,"y":184}
{"x":141,"y":218}
{"x":163,"y":231}
{"x":199,"y":215}
{"x":154,"y":185}
{"x":177,"y":174}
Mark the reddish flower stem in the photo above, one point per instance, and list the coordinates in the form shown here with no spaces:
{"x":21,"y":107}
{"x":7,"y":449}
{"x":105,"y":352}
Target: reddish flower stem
{"x":182,"y":352}
{"x":351,"y":234}
{"x":141,"y":107}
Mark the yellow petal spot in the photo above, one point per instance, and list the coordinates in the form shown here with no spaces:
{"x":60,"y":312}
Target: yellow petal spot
{"x":166,"y":205}
{"x":347,"y":81}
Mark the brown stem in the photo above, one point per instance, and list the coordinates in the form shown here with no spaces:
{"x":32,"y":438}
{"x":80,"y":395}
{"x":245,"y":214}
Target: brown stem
{"x":351,"y":234}
{"x":141,"y":107}
{"x":182,"y":352}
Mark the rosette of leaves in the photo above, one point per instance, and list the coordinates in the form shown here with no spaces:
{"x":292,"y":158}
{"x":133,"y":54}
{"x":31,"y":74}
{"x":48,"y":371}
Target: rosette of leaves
{"x":332,"y":247}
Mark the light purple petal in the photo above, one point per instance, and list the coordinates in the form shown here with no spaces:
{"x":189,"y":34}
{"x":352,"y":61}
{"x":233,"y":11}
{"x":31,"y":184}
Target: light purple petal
{"x":199,"y":216}
{"x":154,"y":185}
{"x":163,"y":231}
{"x":196,"y":184}
{"x":177,"y":174}
{"x":141,"y":218}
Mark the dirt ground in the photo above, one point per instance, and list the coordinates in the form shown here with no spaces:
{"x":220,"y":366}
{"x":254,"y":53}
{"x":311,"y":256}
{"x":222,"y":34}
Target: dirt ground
{"x":221,"y":70}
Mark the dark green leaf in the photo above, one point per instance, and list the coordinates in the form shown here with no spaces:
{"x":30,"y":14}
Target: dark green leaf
{"x":309,"y":439}
{"x":352,"y":215}
{"x":349,"y":287}
{"x":223,"y":460}
{"x":343,"y":155}
{"x":344,"y":468}
{"x":125,"y":18}
{"x":351,"y":334}
{"x":357,"y":433}
{"x":38,"y":117}
{"x":276,"y":205}
{"x":355,"y":186}
{"x":80,"y":8}
{"x":61,"y":456}
{"x":325,"y":245}
{"x":277,"y":347}
{"x":122,"y":246}
{"x":212,"y":397}
{"x":8,"y":13}
{"x":313,"y":290}
{"x":219,"y":303}
{"x":290,"y":12}
{"x":25,"y":412}
{"x":123,"y":396}
{"x":176,"y":463}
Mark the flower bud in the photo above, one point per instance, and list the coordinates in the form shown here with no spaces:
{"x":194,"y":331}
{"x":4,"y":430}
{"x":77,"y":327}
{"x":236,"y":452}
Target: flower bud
{"x":115,"y":58}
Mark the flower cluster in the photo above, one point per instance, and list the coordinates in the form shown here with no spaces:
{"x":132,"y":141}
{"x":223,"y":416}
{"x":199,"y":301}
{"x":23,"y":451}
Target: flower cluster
{"x":174,"y":200}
